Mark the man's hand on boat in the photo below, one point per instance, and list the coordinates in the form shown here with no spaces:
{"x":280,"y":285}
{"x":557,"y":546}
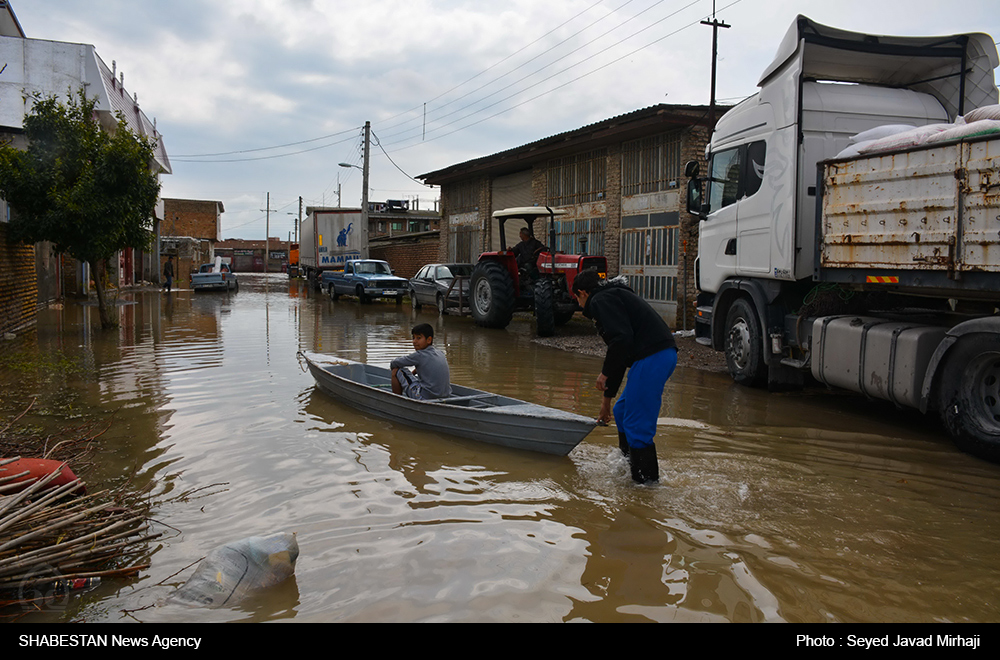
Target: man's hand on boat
{"x":605,"y":415}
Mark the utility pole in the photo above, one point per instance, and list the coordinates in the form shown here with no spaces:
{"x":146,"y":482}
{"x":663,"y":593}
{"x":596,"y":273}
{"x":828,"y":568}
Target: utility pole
{"x":364,"y":182}
{"x":716,"y":24}
{"x":267,"y":232}
{"x":300,"y":220}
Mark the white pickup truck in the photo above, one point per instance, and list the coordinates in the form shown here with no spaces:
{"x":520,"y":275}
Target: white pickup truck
{"x":215,"y":276}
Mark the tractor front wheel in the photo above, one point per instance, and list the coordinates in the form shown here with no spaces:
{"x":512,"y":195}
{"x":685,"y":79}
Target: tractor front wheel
{"x":492,"y":298}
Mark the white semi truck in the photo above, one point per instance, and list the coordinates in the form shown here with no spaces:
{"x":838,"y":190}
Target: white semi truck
{"x":878,"y":273}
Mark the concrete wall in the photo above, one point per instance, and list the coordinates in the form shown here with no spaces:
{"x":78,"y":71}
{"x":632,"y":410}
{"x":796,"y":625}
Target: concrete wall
{"x":45,"y":67}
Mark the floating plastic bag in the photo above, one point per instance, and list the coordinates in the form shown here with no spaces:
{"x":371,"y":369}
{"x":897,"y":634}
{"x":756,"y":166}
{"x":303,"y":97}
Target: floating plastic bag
{"x":233,"y":571}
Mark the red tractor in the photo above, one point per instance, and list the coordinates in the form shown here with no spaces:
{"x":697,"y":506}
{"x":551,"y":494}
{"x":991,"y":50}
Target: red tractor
{"x":542,"y":282}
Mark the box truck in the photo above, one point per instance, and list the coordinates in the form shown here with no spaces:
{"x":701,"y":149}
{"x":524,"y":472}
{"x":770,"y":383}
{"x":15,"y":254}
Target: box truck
{"x":328,"y":237}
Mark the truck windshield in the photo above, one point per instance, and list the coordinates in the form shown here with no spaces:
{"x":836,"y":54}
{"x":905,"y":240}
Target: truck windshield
{"x":372,"y":268}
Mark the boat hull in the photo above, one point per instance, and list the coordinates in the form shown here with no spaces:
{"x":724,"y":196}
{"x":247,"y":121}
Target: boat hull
{"x":469,"y":413}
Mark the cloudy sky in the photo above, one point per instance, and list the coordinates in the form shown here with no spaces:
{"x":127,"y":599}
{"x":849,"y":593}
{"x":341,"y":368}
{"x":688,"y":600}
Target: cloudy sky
{"x":268,"y":96}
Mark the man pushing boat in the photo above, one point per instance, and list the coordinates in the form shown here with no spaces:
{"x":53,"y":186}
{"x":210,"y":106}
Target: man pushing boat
{"x":639,"y":341}
{"x":432,"y":379}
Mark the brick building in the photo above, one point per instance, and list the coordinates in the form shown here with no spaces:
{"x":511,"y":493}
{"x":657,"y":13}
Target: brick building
{"x":621,"y":181}
{"x":189,"y":232}
{"x":248,"y":256}
{"x":406,"y":253}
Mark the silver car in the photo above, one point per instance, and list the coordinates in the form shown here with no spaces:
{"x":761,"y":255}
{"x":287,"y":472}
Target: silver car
{"x":443,"y":285}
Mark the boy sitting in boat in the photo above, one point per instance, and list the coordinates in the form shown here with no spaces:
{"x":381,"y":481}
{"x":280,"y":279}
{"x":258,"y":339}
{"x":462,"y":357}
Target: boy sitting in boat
{"x":432,"y":379}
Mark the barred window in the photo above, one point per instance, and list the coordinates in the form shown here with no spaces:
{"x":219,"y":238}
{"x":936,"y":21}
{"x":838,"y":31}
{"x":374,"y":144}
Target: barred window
{"x":650,"y":164}
{"x":569,"y":233}
{"x":577,"y":179}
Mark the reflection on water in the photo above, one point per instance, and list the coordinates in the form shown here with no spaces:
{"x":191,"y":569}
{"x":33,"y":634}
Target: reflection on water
{"x":797,"y":507}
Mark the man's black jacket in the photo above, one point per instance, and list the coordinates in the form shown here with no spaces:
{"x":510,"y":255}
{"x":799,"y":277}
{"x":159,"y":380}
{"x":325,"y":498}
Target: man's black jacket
{"x":629,"y":326}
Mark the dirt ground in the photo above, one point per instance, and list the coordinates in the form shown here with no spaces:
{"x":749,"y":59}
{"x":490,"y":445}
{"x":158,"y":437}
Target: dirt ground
{"x":580,"y":336}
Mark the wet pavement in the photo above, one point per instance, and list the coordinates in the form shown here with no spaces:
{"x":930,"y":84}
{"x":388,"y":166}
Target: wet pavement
{"x":802,"y":507}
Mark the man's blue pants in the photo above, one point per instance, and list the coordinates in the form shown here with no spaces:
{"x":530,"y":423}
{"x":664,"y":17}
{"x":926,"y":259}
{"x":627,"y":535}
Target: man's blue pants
{"x":638,"y":407}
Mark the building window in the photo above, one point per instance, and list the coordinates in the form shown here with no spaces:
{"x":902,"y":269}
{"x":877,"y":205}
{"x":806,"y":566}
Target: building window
{"x":651,"y":164}
{"x":577,"y":179}
{"x":569,"y":233}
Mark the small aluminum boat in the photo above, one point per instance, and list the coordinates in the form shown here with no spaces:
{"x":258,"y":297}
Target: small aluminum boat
{"x":468,"y":413}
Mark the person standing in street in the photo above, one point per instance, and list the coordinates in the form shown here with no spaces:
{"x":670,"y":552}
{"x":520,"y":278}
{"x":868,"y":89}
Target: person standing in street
{"x":168,"y":273}
{"x":639,"y":341}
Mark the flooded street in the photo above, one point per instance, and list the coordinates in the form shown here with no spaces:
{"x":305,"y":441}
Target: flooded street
{"x":802,"y":507}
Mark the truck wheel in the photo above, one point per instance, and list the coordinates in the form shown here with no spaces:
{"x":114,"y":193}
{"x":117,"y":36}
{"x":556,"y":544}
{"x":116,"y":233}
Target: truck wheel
{"x":442,"y":306}
{"x":545,"y":322}
{"x":414,"y":303}
{"x":333,"y":293}
{"x":744,"y":346}
{"x":492,"y":295}
{"x":362,"y":298}
{"x":969,"y":395}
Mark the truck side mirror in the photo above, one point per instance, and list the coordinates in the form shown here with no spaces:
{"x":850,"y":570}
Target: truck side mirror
{"x":691,"y":169}
{"x":694,"y":203}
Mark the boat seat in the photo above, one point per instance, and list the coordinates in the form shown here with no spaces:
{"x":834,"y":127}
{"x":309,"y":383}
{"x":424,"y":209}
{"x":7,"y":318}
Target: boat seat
{"x":468,"y":397}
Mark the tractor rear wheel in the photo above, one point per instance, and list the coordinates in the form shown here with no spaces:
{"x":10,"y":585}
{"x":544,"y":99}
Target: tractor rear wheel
{"x":492,"y":298}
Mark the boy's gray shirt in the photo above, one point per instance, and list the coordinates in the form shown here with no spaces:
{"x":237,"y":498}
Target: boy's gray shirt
{"x":432,"y":370}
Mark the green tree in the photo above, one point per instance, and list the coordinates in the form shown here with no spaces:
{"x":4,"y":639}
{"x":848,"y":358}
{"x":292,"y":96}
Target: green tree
{"x":90,"y":191}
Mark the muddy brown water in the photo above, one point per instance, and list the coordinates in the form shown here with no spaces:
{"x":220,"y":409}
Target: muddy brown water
{"x":799,"y":507}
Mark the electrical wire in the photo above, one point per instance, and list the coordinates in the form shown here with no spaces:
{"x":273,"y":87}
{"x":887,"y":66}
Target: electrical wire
{"x":569,"y":82}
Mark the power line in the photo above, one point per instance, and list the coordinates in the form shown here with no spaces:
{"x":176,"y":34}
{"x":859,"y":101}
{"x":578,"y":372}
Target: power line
{"x":278,"y":146}
{"x":569,"y":82}
{"x":548,"y":78}
{"x":493,"y":66}
{"x":244,"y":160}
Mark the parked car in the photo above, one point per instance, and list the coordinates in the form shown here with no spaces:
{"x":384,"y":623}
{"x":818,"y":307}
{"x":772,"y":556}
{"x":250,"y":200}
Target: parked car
{"x":208,"y":278}
{"x":431,"y":284}
{"x":367,"y":279}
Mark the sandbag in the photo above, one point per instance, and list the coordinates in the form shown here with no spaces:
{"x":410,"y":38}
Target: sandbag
{"x":911,"y":138}
{"x":880,"y":132}
{"x":853,"y":150}
{"x":985,"y":112}
{"x":233,"y":571}
{"x":967,"y":130}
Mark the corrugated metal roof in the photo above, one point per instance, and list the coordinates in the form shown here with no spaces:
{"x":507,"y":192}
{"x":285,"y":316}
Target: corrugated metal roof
{"x":616,"y":128}
{"x":127,"y":106}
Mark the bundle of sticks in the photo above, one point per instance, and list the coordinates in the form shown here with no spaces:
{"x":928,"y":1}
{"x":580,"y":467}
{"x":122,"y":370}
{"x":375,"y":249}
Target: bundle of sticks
{"x":55,"y":538}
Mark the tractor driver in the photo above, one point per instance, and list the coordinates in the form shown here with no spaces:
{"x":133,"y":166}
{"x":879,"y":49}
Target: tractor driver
{"x":527,"y":251}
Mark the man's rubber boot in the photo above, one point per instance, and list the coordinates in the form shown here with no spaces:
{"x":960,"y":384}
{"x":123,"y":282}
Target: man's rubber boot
{"x":642,"y":460}
{"x":623,"y":443}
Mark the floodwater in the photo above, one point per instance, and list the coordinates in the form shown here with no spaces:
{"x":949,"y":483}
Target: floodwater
{"x":800,"y":507}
